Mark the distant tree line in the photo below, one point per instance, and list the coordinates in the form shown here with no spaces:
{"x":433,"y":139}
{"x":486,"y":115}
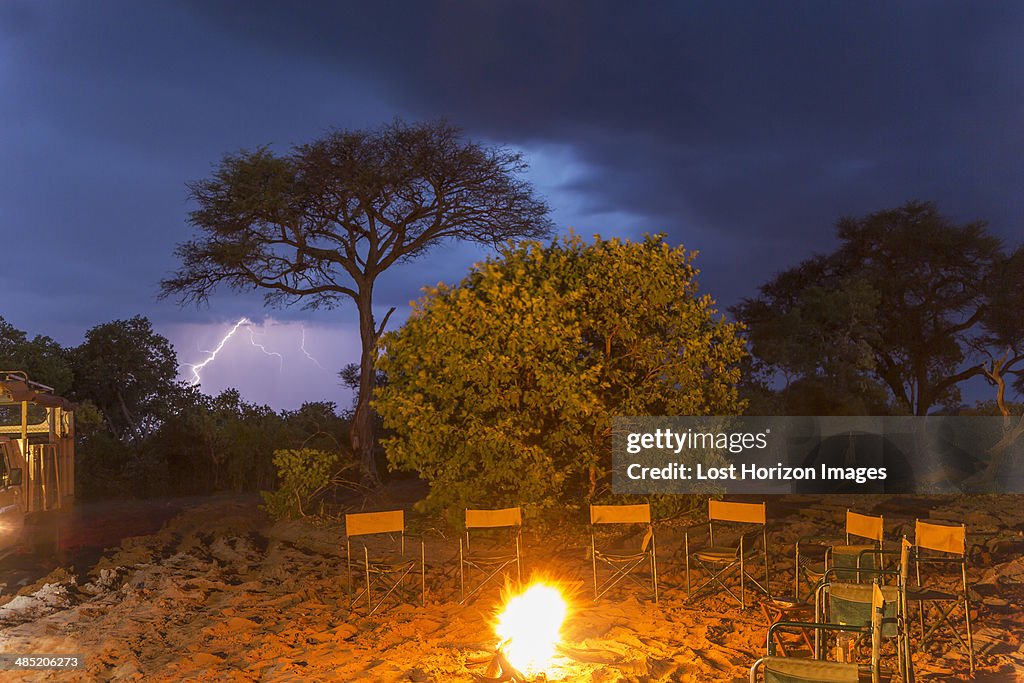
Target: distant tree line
{"x":909,"y":307}
{"x":143,"y":432}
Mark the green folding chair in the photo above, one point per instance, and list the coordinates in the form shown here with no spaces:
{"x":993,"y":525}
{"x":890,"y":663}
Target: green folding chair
{"x":849,"y":604}
{"x":775,"y":669}
{"x":848,"y":556}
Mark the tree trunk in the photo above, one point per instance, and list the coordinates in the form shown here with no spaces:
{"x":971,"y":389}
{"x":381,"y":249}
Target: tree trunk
{"x":361,"y":435}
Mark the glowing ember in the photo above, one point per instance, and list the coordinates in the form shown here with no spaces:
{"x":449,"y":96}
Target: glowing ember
{"x":530,"y":627}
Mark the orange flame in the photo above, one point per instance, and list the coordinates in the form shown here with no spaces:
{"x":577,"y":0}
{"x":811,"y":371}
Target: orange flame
{"x":530,"y":627}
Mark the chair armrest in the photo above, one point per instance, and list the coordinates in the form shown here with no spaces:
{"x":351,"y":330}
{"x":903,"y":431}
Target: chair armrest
{"x":808,"y":625}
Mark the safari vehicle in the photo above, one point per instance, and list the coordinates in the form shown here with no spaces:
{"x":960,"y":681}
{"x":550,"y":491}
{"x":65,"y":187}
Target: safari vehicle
{"x":12,"y":511}
{"x":37,"y":453}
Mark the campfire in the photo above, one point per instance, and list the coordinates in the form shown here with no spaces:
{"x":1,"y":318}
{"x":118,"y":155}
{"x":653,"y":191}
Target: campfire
{"x":529,"y":629}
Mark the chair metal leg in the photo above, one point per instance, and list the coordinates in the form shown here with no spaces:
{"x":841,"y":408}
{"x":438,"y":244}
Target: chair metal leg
{"x":967,"y":615}
{"x":796,"y":572}
{"x":348,"y":571}
{"x":369,"y":598}
{"x":654,"y":568}
{"x":462,"y":575}
{"x":743,"y":591}
{"x":767,"y":579}
{"x":519,"y":565}
{"x":686,"y":550}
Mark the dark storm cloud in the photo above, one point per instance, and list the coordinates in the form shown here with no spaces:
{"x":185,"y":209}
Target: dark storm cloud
{"x":728,"y":125}
{"x":741,"y":129}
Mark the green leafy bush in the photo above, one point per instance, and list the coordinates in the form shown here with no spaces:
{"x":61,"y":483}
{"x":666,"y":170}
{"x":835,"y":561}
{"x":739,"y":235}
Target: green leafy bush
{"x":501,"y":390}
{"x":304,"y":473}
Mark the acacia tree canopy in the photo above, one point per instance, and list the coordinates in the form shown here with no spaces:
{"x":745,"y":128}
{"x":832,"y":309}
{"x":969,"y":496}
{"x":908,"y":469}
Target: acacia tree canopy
{"x":321,"y":223}
{"x":501,"y":389}
{"x":902,"y":302}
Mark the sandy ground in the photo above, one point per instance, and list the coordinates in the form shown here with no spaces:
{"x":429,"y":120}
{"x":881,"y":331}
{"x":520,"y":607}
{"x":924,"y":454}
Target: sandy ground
{"x":222,"y":593}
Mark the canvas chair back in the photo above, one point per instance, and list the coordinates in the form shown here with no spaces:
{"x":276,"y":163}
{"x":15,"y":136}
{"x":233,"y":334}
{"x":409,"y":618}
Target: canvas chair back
{"x":853,"y":604}
{"x":864,"y":526}
{"x":494,"y":519}
{"x":945,"y":538}
{"x":366,"y":523}
{"x":620,"y":514}
{"x":749,"y":513}
{"x":793,"y":670}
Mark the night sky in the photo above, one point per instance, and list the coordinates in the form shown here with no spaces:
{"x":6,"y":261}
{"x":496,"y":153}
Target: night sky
{"x":743,"y":130}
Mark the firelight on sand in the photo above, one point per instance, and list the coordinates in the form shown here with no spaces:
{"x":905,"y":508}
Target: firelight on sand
{"x":530,"y":627}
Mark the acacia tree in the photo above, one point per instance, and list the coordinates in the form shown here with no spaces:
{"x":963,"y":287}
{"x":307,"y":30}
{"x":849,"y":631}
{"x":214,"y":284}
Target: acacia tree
{"x":321,"y":223}
{"x":1002,"y":346}
{"x":503,"y":387}
{"x":901,"y":302}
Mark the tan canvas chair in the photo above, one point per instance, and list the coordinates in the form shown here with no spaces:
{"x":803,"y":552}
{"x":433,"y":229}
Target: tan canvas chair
{"x":852,"y":554}
{"x":628,"y":555}
{"x":795,"y":670}
{"x":942,"y":544}
{"x":723,"y":556}
{"x":496,"y":550}
{"x":383,"y":560}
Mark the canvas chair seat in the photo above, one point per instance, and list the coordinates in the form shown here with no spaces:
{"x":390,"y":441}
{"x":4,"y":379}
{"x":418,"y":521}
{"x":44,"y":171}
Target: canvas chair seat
{"x":620,"y":556}
{"x":385,"y":563}
{"x":718,"y":554}
{"x":813,"y":570}
{"x":488,"y":554}
{"x":931,"y":595}
{"x":623,"y":547}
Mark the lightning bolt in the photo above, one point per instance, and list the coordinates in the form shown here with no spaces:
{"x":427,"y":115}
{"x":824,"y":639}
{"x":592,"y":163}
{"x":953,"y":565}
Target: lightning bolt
{"x":302,"y":346}
{"x":261,"y":347}
{"x":195,"y":368}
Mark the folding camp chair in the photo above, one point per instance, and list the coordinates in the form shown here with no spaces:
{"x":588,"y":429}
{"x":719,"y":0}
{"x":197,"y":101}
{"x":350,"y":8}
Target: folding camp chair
{"x":721,"y":558}
{"x":384,"y":562}
{"x":850,"y":555}
{"x":938,"y":543}
{"x":491,"y":555}
{"x":627,"y":555}
{"x":793,"y":670}
{"x":850,"y":604}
